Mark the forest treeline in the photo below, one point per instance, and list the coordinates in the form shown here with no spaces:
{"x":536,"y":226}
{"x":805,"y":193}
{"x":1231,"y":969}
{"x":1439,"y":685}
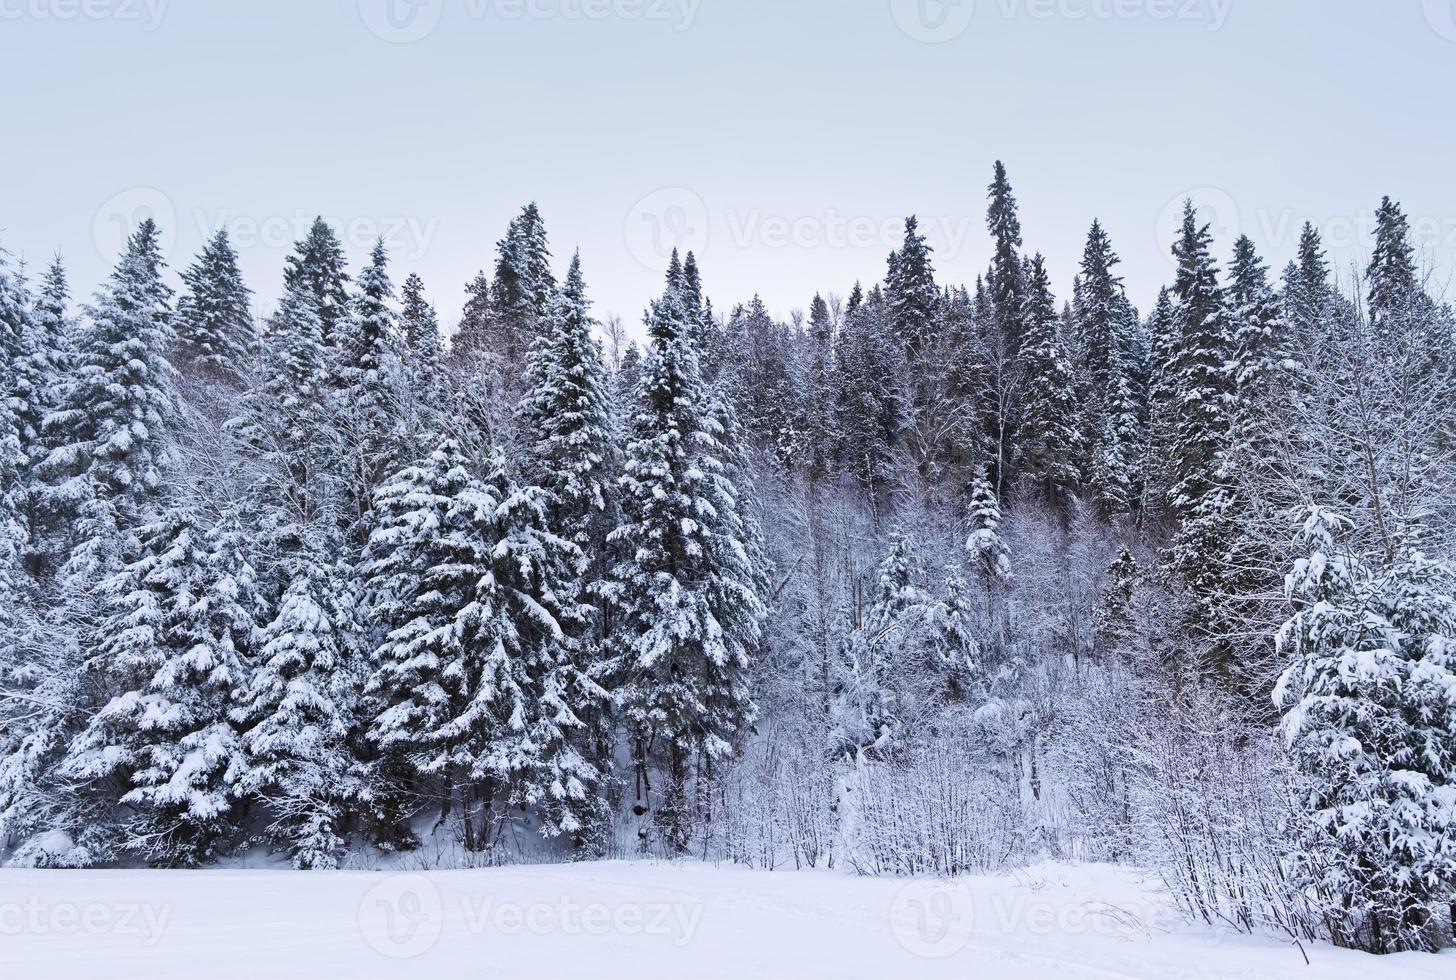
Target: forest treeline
{"x":930,"y":578}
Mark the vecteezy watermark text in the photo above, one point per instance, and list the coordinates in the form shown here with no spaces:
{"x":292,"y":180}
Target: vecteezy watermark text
{"x":404,"y":916}
{"x":33,"y":916}
{"x":406,"y":21}
{"x":147,"y":13}
{"x":938,"y":21}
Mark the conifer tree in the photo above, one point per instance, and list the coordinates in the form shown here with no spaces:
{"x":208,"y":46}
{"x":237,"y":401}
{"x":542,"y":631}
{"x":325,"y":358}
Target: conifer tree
{"x":1199,"y":440}
{"x":1105,"y":322}
{"x":1394,"y":289}
{"x":567,"y":417}
{"x":523,"y":290}
{"x":1050,"y":440}
{"x":426,"y":385}
{"x":293,"y":714}
{"x":821,"y":430}
{"x":214,"y":323}
{"x":317,"y":270}
{"x":1005,"y":283}
{"x":1372,"y":727}
{"x":44,"y":360}
{"x":111,"y":424}
{"x":689,"y":614}
{"x":286,"y":422}
{"x":479,"y":673}
{"x":369,"y":371}
{"x":912,"y":295}
{"x":472,"y":337}
{"x":170,"y":653}
{"x":1307,"y":292}
{"x":872,"y":411}
{"x":989,"y":554}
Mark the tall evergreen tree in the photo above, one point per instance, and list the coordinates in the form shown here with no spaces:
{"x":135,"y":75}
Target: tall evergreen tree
{"x":1050,"y":441}
{"x":871,"y":408}
{"x":1007,"y":288}
{"x":1200,"y":432}
{"x":1371,"y":724}
{"x":1394,"y":289}
{"x":567,"y":416}
{"x":480,"y":676}
{"x":369,"y":372}
{"x":170,"y":654}
{"x":472,"y":337}
{"x":214,"y":323}
{"x":293,"y":714}
{"x":523,"y":290}
{"x":689,"y":613}
{"x":1111,"y":426}
{"x":111,"y":424}
{"x":317,"y":270}
{"x":821,"y":428}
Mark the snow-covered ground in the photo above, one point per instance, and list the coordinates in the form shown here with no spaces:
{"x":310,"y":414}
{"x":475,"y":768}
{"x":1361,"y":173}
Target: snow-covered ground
{"x":637,"y":920}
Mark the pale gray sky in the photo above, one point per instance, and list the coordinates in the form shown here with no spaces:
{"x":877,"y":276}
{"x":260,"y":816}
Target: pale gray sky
{"x":783,"y":140}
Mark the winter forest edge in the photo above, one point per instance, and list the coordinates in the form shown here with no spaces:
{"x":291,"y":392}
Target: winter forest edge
{"x":934,"y":579}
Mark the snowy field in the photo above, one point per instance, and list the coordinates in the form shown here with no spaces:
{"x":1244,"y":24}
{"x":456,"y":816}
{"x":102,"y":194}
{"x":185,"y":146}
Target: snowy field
{"x":644,"y":921}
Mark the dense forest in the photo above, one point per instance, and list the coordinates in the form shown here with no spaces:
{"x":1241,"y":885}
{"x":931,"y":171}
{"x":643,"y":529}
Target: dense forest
{"x":928,"y":579}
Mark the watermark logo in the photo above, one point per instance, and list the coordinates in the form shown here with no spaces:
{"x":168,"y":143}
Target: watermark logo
{"x":933,"y":919}
{"x":139,"y":920}
{"x":147,"y":13}
{"x":933,"y":21}
{"x":401,"y":21}
{"x":402,"y":916}
{"x":667,"y":219}
{"x":122,"y":214}
{"x":1441,"y":15}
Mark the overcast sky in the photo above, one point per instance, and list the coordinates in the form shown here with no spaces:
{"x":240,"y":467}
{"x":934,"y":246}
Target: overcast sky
{"x":784,"y":140}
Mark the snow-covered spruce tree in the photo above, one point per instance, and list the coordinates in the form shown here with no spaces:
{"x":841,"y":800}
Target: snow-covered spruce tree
{"x":110,"y":429}
{"x":1004,"y":281}
{"x":754,"y":371}
{"x":287,"y":428}
{"x":522,"y":291}
{"x":1307,"y":291}
{"x":1394,"y":292}
{"x":885,"y":657}
{"x":912,"y":296}
{"x":424,"y":394}
{"x":566,"y":418}
{"x":479,"y":672}
{"x":424,"y":351}
{"x":1050,"y":442}
{"x":1199,"y":440}
{"x":1110,"y":415}
{"x":16,"y":339}
{"x":317,"y":270}
{"x":293,"y":714}
{"x":44,"y":362}
{"x":688,"y":612}
{"x":472,"y":334}
{"x":1114,"y":623}
{"x":989,"y":555}
{"x":170,"y":655}
{"x":214,"y":322}
{"x":821,"y":429}
{"x":368,"y":371}
{"x":871,"y":410}
{"x":951,"y":624}
{"x":1372,"y":726}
